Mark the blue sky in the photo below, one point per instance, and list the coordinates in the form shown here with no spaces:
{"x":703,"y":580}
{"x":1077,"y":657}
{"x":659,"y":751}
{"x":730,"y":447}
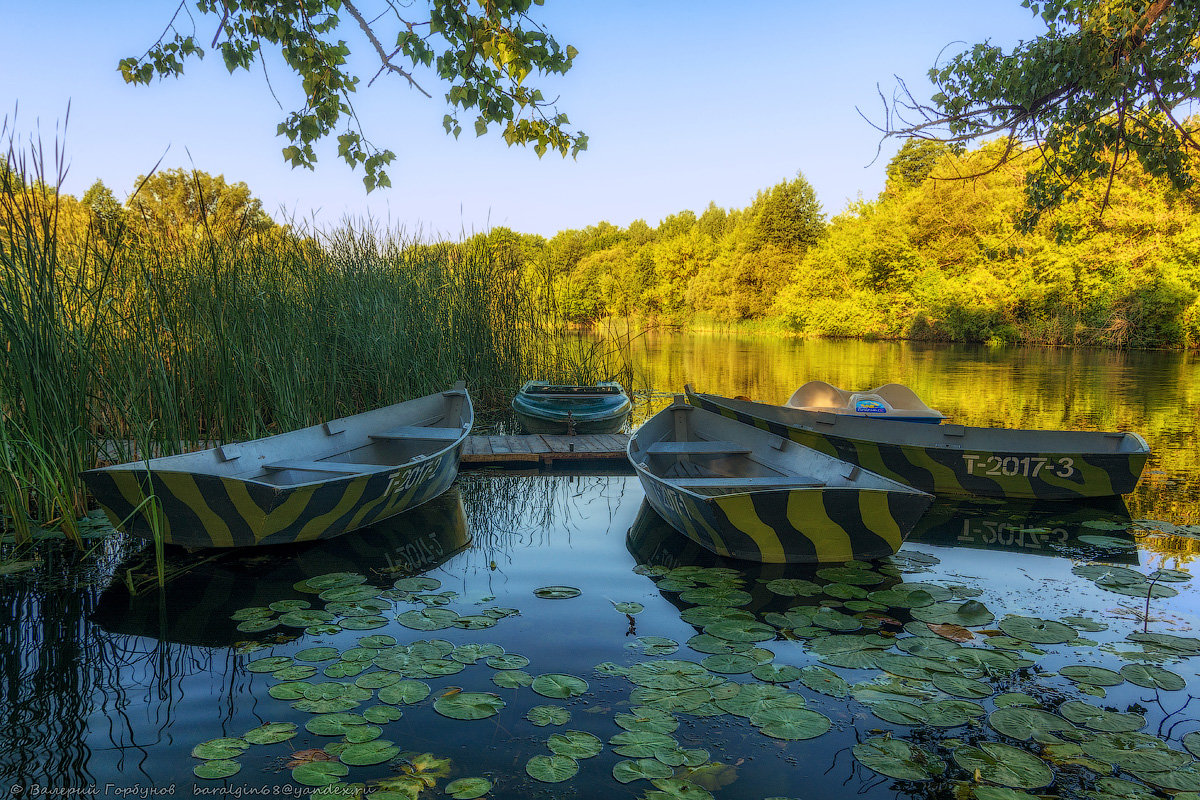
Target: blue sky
{"x":684,"y":103}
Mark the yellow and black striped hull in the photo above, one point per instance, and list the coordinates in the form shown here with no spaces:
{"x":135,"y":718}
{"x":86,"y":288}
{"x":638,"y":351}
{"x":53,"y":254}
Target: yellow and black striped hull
{"x":948,"y":470}
{"x":204,"y":510}
{"x":791,"y":526}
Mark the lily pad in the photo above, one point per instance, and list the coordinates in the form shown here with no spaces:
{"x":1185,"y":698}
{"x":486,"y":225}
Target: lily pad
{"x":1098,"y":719}
{"x":557,"y":593}
{"x":1027,"y":723}
{"x":221,"y":749}
{"x":657,"y":645}
{"x":898,"y":759}
{"x":381,"y":715}
{"x":552,"y":769}
{"x":367,"y":754}
{"x":270,"y":733}
{"x":269,"y":664}
{"x":469,"y":705}
{"x":952,"y":713}
{"x":559,"y":686}
{"x":643,"y":718}
{"x":969,"y":614}
{"x":641,"y":769}
{"x":318,"y":654}
{"x":793,"y":587}
{"x":405,"y":691}
{"x":962,"y":687}
{"x":792,"y":724}
{"x":512,"y":678}
{"x":776,"y":673}
{"x":576,"y":744}
{"x":468,"y":788}
{"x":1153,"y":677}
{"x":823,"y":680}
{"x":216,"y":769}
{"x":319,"y":773}
{"x":1092,"y":676}
{"x":548,"y":715}
{"x":507,"y":661}
{"x":730,"y":663}
{"x":334,"y":724}
{"x":1008,"y":766}
{"x":716,"y":596}
{"x":419,"y":583}
{"x":1036,"y":630}
{"x":900,"y":712}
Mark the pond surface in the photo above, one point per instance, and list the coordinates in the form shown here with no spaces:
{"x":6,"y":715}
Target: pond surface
{"x":1003,"y":651}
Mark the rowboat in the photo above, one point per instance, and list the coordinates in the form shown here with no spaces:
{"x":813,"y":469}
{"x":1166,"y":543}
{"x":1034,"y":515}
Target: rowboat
{"x":748,"y":494}
{"x":312,"y":483}
{"x":543,"y":407}
{"x":956,"y":459}
{"x":892,"y":401}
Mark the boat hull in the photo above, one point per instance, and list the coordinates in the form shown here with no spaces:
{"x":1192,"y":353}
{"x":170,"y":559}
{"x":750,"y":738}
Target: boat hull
{"x":195,"y":510}
{"x":558,"y":413}
{"x":796,"y":526}
{"x":1022,"y":472}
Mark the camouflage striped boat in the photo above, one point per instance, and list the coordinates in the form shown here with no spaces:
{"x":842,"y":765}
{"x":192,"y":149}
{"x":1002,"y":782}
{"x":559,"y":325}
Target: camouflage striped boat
{"x":954,"y":459}
{"x":747,"y":494}
{"x":313,"y":483}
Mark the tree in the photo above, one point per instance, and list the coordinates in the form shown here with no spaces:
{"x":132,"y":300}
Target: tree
{"x":914,"y":162}
{"x":1104,"y":85}
{"x":787,"y":216}
{"x":107,"y":214}
{"x":482,"y":50}
{"x":176,"y":204}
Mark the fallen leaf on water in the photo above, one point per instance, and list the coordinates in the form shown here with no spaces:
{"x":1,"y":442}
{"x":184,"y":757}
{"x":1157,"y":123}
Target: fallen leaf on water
{"x":955,"y":633}
{"x":308,"y":756}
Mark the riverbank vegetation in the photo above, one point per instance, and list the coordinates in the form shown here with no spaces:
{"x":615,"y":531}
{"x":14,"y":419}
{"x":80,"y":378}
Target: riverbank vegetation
{"x":949,"y":251}
{"x":185,"y":315}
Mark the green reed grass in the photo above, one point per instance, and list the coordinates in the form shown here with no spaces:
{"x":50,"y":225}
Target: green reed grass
{"x":150,"y":346}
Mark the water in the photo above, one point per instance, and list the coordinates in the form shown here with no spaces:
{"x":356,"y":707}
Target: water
{"x":107,"y":692}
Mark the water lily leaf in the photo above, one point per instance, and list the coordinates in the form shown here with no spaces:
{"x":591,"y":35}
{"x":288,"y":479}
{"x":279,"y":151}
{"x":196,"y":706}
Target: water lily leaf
{"x":677,"y":789}
{"x":651,"y":720}
{"x":270,"y":733}
{"x":363,"y":623}
{"x":430,"y":619}
{"x":793,"y":587}
{"x":741,"y":631}
{"x":548,"y":715}
{"x":552,"y":769}
{"x":1093,"y":676}
{"x":576,"y":744}
{"x":1085,"y":624}
{"x":344,"y":669}
{"x":377,"y":641}
{"x":418,"y":583}
{"x":1038,"y":631}
{"x":269,"y":664}
{"x":962,"y":687}
{"x":835,"y":620}
{"x":903,"y":596}
{"x":858,"y":577}
{"x":317,"y":654}
{"x":716,"y":596}
{"x":729,"y":663}
{"x":404,"y":692}
{"x":319,"y":773}
{"x":1025,"y":723}
{"x":969,"y":614}
{"x":629,"y":607}
{"x":512,"y":678}
{"x":1007,"y":699}
{"x":1185,"y":778}
{"x":216,"y":769}
{"x":1000,"y":793}
{"x":381,"y":715}
{"x":1137,"y":752}
{"x":823,"y":680}
{"x":952,"y":713}
{"x":853,"y":659}
{"x":334,"y":724}
{"x":559,"y":686}
{"x":900,"y":712}
{"x":220,"y":749}
{"x":955,"y":633}
{"x":507,"y":661}
{"x":557,"y":593}
{"x":1169,"y":575}
{"x":641,"y":769}
{"x":845,"y":591}
{"x":257,"y":625}
{"x":776,"y":673}
{"x":1152,"y":677}
{"x":1086,"y":714}
{"x":1167,"y":641}
{"x":641,"y":743}
{"x":898,"y":759}
{"x":705,"y":643}
{"x":468,"y":788}
{"x":468,"y":705}
{"x":366,"y":754}
{"x":792,"y":724}
{"x":1008,"y":766}
{"x":305,"y":617}
{"x":1191,"y":741}
{"x":291,"y":690}
{"x":656,"y":645}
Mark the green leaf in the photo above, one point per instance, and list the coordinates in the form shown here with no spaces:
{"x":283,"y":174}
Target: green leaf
{"x":552,"y":769}
{"x":559,"y":686}
{"x":216,"y":769}
{"x":469,"y":705}
{"x":898,"y":759}
{"x":468,"y":788}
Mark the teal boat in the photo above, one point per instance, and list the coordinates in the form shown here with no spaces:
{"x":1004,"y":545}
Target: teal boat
{"x":543,"y":407}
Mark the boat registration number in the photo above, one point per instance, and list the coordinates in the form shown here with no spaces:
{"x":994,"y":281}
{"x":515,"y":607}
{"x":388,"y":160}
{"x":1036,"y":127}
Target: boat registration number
{"x":403,"y":481}
{"x":1026,"y":467}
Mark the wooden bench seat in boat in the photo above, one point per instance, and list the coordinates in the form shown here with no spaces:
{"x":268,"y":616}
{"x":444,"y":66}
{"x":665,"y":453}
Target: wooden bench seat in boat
{"x":760,"y":482}
{"x":427,"y":433}
{"x":325,"y":466}
{"x":697,"y":449}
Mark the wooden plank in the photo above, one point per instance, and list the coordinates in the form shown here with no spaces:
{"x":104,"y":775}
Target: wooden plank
{"x":517,"y":444}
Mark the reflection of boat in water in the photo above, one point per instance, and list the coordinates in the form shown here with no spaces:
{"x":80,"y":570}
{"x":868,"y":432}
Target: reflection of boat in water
{"x":653,"y":542}
{"x":1038,"y":528}
{"x":195,"y":606}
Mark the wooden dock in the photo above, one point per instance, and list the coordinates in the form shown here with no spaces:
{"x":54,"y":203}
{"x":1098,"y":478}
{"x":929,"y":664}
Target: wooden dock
{"x":543,"y":450}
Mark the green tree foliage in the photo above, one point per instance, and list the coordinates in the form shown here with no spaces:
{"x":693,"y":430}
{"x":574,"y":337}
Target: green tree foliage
{"x":107,"y":214}
{"x":787,"y":216}
{"x":1103,"y":87}
{"x":183,"y":205}
{"x":481,"y":51}
{"x":914,"y":162}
